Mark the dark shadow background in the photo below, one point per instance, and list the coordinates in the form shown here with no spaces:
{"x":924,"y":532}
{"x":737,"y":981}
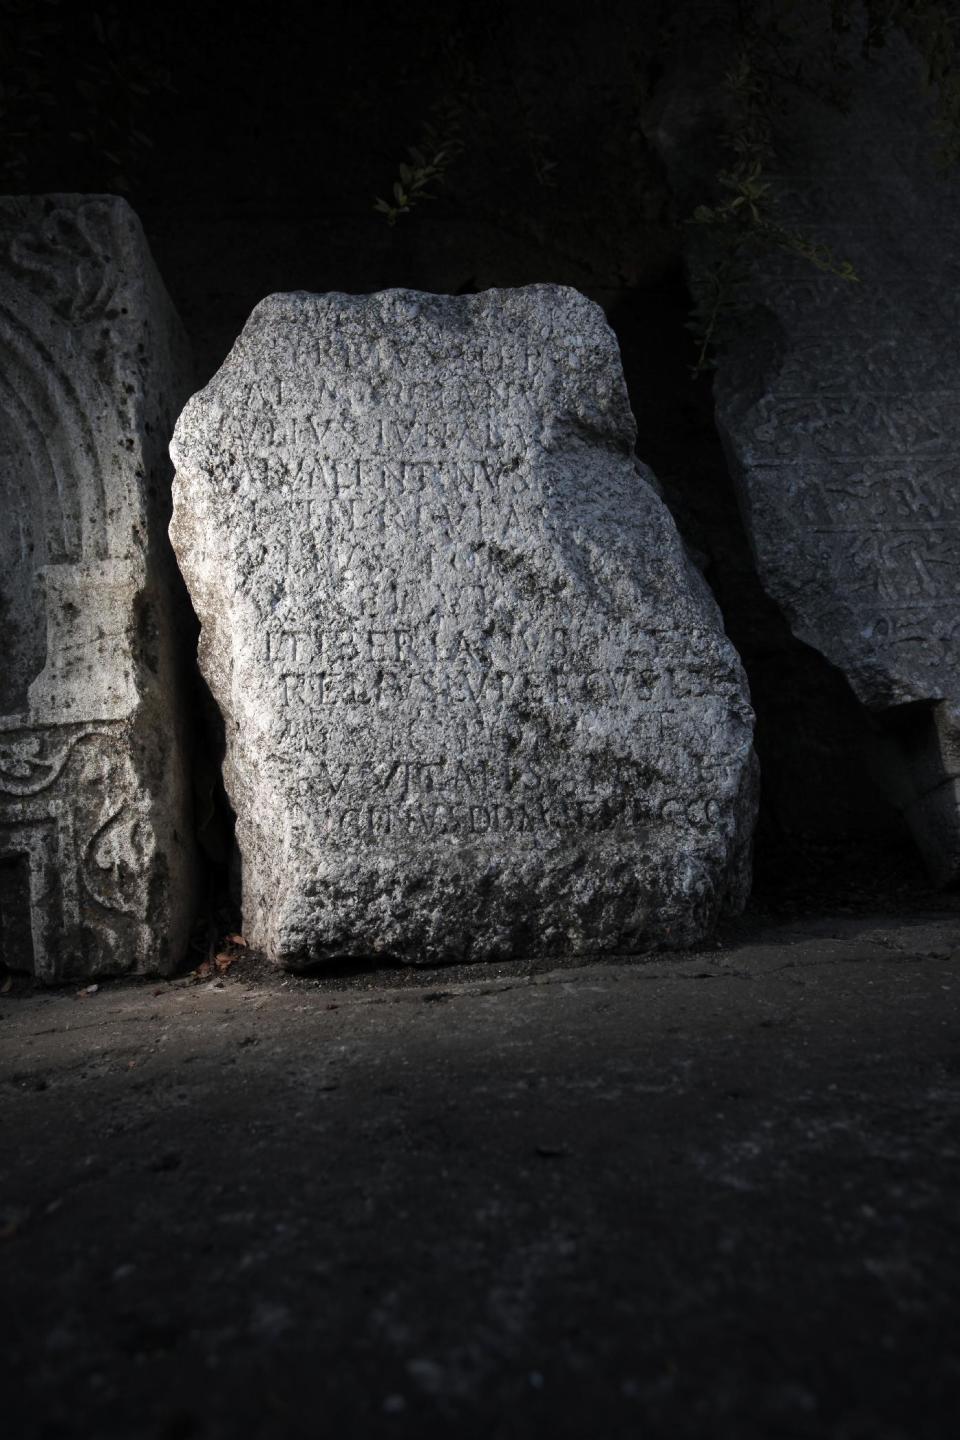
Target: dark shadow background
{"x":253,"y":141}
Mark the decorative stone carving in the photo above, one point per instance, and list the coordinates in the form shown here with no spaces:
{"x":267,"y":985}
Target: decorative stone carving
{"x":95,"y":853}
{"x":477,"y":702}
{"x":839,"y":405}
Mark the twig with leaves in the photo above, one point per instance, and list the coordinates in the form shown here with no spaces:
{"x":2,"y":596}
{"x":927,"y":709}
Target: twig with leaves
{"x":744,"y":220}
{"x":425,"y":168}
{"x":441,"y":142}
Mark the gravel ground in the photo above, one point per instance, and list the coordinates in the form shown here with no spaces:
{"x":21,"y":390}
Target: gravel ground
{"x":712,"y":1195}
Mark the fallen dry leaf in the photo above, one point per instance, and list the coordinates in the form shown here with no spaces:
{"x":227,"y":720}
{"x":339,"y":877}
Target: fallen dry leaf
{"x":7,"y":986}
{"x":235,"y":940}
{"x":223,"y":961}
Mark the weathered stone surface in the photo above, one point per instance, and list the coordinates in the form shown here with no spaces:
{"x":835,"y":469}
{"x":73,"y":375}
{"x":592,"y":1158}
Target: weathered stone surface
{"x":95,"y":859}
{"x":477,"y":702}
{"x":839,"y":405}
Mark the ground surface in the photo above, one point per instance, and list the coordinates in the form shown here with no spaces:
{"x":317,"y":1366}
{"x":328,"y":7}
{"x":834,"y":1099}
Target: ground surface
{"x":711,"y":1196}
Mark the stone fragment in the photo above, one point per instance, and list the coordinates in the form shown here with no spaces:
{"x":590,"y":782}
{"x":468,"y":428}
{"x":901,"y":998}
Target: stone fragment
{"x":839,"y":406}
{"x":95,"y":856}
{"x":477,"y":702}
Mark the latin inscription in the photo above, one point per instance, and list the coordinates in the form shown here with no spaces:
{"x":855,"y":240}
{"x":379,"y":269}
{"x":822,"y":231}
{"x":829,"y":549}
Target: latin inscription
{"x":449,"y":623}
{"x":335,"y":671}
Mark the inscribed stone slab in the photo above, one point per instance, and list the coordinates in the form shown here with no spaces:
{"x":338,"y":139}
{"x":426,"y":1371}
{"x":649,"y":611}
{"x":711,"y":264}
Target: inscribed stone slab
{"x":839,"y":406}
{"x":95,"y":859}
{"x":477,"y":702}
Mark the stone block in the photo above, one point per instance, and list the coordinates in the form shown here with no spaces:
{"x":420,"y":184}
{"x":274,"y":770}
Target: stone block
{"x":477,"y":701}
{"x":96,"y":869}
{"x":839,"y":404}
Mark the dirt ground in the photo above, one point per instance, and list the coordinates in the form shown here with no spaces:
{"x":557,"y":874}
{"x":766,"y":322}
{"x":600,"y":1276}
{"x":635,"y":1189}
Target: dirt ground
{"x":712,"y":1195}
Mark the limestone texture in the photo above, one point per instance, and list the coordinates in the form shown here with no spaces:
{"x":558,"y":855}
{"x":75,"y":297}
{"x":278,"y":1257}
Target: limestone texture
{"x":477,"y":702}
{"x":839,"y":407}
{"x":96,"y":872}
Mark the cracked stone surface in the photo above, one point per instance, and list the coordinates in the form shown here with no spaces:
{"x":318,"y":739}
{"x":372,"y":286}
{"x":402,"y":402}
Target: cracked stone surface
{"x":477,"y":701}
{"x":96,"y":867}
{"x":710,"y":1195}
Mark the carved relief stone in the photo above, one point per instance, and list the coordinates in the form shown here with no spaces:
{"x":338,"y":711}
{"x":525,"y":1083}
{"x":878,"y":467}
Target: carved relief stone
{"x":839,"y":405}
{"x":477,"y":702}
{"x":95,"y":856}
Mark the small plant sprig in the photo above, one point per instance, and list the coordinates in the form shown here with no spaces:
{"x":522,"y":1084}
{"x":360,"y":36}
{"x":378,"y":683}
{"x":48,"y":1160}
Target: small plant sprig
{"x":426,"y":166}
{"x":744,"y":221}
{"x":105,"y":94}
{"x":441,"y":142}
{"x":749,"y":217}
{"x":749,"y":228}
{"x":932,"y":31}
